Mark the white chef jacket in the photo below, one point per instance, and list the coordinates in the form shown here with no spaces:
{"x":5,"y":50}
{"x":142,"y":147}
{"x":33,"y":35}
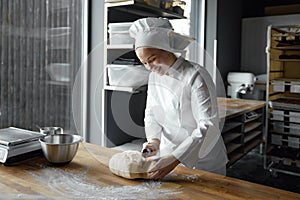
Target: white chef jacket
{"x":182,"y":112}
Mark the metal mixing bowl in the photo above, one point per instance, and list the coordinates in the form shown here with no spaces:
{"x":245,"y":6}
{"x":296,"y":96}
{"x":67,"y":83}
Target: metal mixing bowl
{"x":60,"y":148}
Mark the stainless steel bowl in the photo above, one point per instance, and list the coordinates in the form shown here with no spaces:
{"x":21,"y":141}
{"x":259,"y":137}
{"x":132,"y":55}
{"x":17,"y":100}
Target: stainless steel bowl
{"x":60,"y":148}
{"x":51,"y":130}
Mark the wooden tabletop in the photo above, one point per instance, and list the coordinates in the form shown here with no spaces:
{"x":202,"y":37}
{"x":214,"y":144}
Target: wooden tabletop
{"x":88,"y":177}
{"x":236,"y":107}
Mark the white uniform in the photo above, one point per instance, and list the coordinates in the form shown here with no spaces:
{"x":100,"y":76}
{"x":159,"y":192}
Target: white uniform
{"x":182,"y":112}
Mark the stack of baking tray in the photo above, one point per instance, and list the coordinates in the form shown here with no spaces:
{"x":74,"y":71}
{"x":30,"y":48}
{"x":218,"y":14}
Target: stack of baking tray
{"x":18,"y":144}
{"x":286,"y":104}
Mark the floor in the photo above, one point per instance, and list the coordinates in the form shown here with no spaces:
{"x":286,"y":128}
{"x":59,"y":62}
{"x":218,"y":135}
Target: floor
{"x":250,"y":168}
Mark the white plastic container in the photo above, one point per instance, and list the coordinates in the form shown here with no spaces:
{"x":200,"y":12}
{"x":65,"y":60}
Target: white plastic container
{"x":294,"y":128}
{"x":293,"y":142}
{"x":278,"y":86}
{"x":119,"y":33}
{"x":127,"y":75}
{"x":59,"y":71}
{"x":276,"y":139}
{"x":59,"y":37}
{"x":295,"y":87}
{"x":295,"y":117}
{"x":278,"y":126}
{"x":278,"y":115}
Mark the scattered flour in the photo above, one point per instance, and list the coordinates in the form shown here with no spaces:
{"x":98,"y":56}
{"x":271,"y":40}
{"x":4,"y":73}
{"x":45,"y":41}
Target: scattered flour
{"x":75,"y":186}
{"x":23,"y":196}
{"x":193,"y":177}
{"x":190,"y":178}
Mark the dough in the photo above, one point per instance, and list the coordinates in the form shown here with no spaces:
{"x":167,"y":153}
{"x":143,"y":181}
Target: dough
{"x":130,"y":164}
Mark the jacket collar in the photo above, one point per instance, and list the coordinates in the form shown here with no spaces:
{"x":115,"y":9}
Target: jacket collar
{"x":175,"y":71}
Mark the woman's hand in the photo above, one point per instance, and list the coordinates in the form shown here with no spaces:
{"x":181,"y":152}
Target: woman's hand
{"x":163,"y":166}
{"x":152,"y":146}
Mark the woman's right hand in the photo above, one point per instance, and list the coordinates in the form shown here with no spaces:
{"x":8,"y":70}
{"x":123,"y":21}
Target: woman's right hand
{"x":153,"y":147}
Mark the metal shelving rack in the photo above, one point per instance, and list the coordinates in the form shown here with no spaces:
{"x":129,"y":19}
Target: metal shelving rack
{"x":134,"y":98}
{"x":282,"y":149}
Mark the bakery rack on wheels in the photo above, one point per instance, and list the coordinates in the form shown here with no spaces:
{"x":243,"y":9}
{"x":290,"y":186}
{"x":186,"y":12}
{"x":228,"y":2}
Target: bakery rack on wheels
{"x":282,"y":147}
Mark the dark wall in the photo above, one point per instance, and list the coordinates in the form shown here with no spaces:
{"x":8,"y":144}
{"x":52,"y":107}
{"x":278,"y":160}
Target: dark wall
{"x":229,"y":17}
{"x":229,"y":36}
{"x":255,"y":8}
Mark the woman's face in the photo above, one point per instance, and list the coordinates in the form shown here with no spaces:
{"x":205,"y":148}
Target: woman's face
{"x":156,"y":60}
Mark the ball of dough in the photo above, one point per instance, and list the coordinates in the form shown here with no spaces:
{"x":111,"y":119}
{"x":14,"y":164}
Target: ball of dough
{"x":130,"y":164}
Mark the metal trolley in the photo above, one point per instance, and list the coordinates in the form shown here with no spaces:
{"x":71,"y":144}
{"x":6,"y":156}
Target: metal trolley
{"x":282,"y":139}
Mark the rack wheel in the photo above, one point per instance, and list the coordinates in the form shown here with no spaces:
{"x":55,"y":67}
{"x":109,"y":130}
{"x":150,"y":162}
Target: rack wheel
{"x":273,"y":173}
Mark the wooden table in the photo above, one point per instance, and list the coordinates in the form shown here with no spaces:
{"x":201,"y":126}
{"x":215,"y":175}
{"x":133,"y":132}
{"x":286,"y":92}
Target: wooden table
{"x":88,"y":177}
{"x":237,"y":107}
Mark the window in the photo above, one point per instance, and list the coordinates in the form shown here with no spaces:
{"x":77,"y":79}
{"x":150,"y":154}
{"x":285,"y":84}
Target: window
{"x":40,"y":54}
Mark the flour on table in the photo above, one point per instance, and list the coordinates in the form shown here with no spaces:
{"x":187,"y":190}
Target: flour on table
{"x":130,"y":164}
{"x":186,"y":177}
{"x":78,"y":186}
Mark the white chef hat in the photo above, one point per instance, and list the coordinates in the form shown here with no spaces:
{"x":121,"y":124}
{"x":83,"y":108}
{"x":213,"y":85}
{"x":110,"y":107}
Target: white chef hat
{"x":158,"y":33}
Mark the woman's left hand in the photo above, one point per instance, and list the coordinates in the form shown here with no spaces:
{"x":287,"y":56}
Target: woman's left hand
{"x":163,"y":166}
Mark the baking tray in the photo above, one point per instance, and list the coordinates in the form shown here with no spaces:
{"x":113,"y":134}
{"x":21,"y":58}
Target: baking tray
{"x":286,"y":104}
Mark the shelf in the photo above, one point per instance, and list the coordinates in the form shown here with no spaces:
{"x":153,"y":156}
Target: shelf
{"x":59,"y":83}
{"x":284,"y":33}
{"x":232,"y":146}
{"x":284,"y":95}
{"x":253,"y":118}
{"x":287,"y":79}
{"x":233,"y":132}
{"x":286,"y":104}
{"x":274,"y":132}
{"x":140,"y":9}
{"x":125,"y":89}
{"x":118,"y":11}
{"x":252,"y":145}
{"x":252,"y":135}
{"x":231,"y":125}
{"x":120,"y":46}
{"x":286,"y":60}
{"x":287,"y":121}
{"x":287,"y":48}
{"x":251,"y":126}
{"x":275,"y":71}
{"x":290,"y":126}
{"x":119,"y":88}
{"x":231,"y":136}
{"x":234,"y":157}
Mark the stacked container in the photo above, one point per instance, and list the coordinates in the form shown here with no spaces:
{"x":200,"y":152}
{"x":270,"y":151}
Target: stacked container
{"x":119,"y":33}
